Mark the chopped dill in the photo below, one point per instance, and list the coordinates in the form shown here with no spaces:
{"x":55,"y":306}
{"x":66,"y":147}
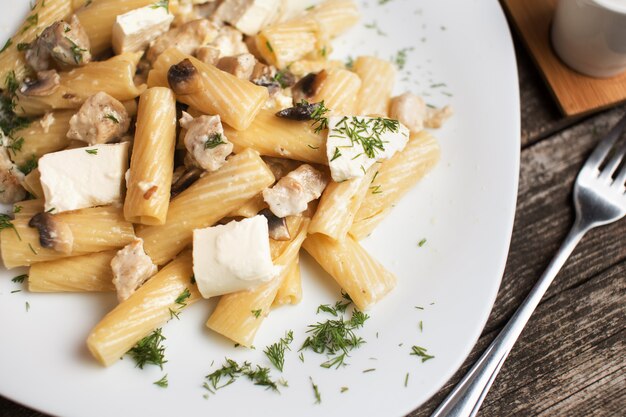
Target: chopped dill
{"x":112,"y":118}
{"x":406,"y":380}
{"x":316,"y":392}
{"x":213,"y":141}
{"x":14,"y":291}
{"x":421,"y":243}
{"x":92,"y":151}
{"x":313,"y":147}
{"x":181,"y":299}
{"x":29,"y":165}
{"x":161,"y":3}
{"x":149,"y":350}
{"x":5,"y":223}
{"x":256,"y":313}
{"x":344,"y":389}
{"x":366,"y":132}
{"x":163,"y":382}
{"x":31,"y":21}
{"x":319,"y":116}
{"x":6,"y":45}
{"x":32,"y":249}
{"x":421,"y":352}
{"x":336,"y":155}
{"x":27,"y":306}
{"x":401,"y":57}
{"x":231,"y":370}
{"x":369,"y":370}
{"x":19,"y":279}
{"x":276,"y":352}
{"x":269,"y":46}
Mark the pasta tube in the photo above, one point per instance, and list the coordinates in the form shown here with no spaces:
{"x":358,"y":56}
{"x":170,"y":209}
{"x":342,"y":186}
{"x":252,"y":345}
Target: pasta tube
{"x":377,"y":80}
{"x":209,"y":199}
{"x":94,"y":230}
{"x":395,"y":178}
{"x":364,"y":279}
{"x":338,"y":90}
{"x":290,"y":291}
{"x":335,"y":16}
{"x":43,"y":14}
{"x":273,"y":136}
{"x":113,"y":76}
{"x":32,"y":183}
{"x":151,"y":306}
{"x":237,"y":101}
{"x":287,"y":42}
{"x":238,"y":316}
{"x":87,"y":273}
{"x":152,"y":162}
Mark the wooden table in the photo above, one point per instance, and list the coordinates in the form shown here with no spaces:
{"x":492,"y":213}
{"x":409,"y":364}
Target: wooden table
{"x":571,"y":359}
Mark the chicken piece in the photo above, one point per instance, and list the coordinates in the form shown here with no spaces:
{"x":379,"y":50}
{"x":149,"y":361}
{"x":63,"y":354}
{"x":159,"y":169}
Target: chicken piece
{"x":248,"y":16}
{"x":410,"y":110}
{"x":131,"y":268}
{"x":208,"y":54}
{"x":292,"y":194}
{"x":100,"y":119}
{"x":66,"y":43}
{"x":187,"y":38}
{"x":205,"y":141}
{"x":230,"y":42}
{"x":241,"y":66}
{"x":189,"y":10}
{"x":53,"y":232}
{"x":11,"y":178}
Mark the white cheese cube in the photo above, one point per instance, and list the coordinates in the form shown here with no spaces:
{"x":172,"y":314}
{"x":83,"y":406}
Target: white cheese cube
{"x":133,"y":31}
{"x":249,"y":16}
{"x":232,"y":257}
{"x":83,"y":177}
{"x":356,"y":143}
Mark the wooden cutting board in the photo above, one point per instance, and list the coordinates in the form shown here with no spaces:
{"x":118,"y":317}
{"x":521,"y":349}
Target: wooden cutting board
{"x":576,"y":94}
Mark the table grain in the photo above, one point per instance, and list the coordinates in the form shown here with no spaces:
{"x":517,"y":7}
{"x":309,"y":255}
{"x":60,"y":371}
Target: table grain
{"x":570,"y":360}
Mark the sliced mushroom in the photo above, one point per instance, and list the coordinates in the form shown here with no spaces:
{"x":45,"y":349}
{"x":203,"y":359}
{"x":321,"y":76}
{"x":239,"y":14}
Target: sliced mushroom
{"x":184,"y":181}
{"x":292,"y":194}
{"x":53,"y":233}
{"x":278,"y":229}
{"x":280,"y":166}
{"x":11,"y":179}
{"x":184,"y":78}
{"x":205,"y":141}
{"x":47,"y":83}
{"x":307,"y":86}
{"x":131,"y":268}
{"x":241,"y":66}
{"x":101,"y":119}
{"x":264,"y":76}
{"x":301,"y":111}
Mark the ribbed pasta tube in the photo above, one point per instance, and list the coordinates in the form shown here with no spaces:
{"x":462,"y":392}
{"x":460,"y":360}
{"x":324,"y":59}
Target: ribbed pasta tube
{"x":290,"y":291}
{"x":338,"y":90}
{"x":86,"y":273}
{"x":152,"y":161}
{"x":43,"y":14}
{"x":94,"y":230}
{"x":274,"y":136}
{"x":377,"y":80}
{"x":335,"y":16}
{"x":364,"y":279}
{"x":287,"y":42}
{"x":208,"y":200}
{"x":113,"y":76}
{"x":151,"y":306}
{"x":395,"y":178}
{"x":237,"y":101}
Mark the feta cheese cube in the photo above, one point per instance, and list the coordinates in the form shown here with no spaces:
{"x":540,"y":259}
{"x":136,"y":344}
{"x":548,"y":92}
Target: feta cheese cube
{"x":249,"y":16}
{"x":135,"y":30}
{"x":83,"y":177}
{"x":232,"y":257}
{"x":355,"y":143}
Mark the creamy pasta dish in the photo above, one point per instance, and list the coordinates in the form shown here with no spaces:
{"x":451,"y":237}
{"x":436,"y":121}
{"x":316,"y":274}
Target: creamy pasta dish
{"x":175,"y":151}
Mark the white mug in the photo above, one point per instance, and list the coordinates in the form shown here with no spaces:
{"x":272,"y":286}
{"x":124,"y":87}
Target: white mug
{"x":590,"y":36}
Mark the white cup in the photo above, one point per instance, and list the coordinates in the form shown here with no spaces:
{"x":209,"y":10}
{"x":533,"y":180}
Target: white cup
{"x":590,"y":36}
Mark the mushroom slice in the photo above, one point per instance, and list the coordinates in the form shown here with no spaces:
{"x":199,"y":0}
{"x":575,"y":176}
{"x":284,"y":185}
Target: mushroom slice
{"x":131,"y":268}
{"x":205,"y":141}
{"x":101,"y":119}
{"x":53,"y":233}
{"x":278,"y":229}
{"x":186,"y":38}
{"x":292,"y":194}
{"x":46,"y":83}
{"x":184,"y":78}
{"x":11,"y":178}
{"x":184,"y":180}
{"x":308,"y":86}
{"x":241,"y":66}
{"x":302,"y":111}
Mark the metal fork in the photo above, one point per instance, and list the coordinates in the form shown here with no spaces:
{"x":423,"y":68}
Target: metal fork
{"x":599,"y":198}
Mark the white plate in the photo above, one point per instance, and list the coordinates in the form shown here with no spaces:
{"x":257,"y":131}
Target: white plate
{"x":464,"y":209}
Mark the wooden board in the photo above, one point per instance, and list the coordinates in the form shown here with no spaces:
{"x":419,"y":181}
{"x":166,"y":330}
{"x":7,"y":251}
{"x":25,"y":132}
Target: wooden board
{"x":575,"y":93}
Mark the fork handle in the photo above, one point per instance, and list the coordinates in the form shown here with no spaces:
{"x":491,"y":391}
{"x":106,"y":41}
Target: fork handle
{"x":466,"y":398}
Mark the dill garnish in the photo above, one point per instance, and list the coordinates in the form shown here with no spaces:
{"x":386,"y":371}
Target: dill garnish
{"x":276,"y":352}
{"x":213,"y":141}
{"x":316,"y":392}
{"x":19,"y":279}
{"x":269,"y":46}
{"x":365,"y":132}
{"x":112,"y":118}
{"x":27,"y":306}
{"x":421,"y":352}
{"x":180,"y":300}
{"x":5,"y":223}
{"x":163,"y":383}
{"x":406,"y":379}
{"x":319,"y":116}
{"x":344,"y":389}
{"x":31,"y":21}
{"x":92,"y":151}
{"x":401,"y":57}
{"x":77,"y":51}
{"x":161,"y":3}
{"x":6,"y":45}
{"x":29,"y":165}
{"x":149,"y":350}
{"x":231,"y":370}
{"x":421,"y":243}
{"x":256,"y":313}
{"x":369,"y":370}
